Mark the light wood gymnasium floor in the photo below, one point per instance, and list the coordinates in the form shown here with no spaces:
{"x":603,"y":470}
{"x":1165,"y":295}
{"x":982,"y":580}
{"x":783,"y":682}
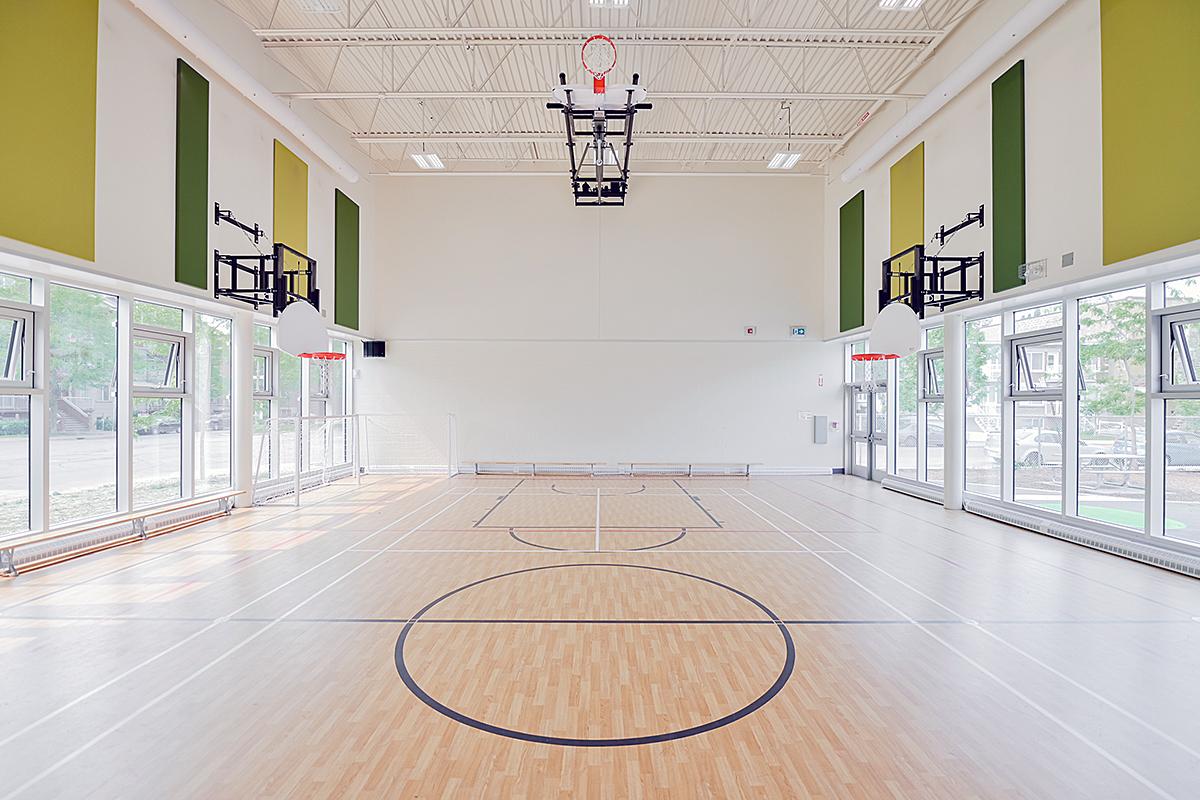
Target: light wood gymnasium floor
{"x":572,"y":638}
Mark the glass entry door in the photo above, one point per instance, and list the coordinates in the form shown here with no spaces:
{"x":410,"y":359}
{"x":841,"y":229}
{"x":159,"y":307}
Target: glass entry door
{"x":868,"y":431}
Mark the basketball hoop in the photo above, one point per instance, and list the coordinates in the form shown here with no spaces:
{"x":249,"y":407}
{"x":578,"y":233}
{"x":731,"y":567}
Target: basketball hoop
{"x":873,"y":356}
{"x":324,"y":360}
{"x":599,"y":57}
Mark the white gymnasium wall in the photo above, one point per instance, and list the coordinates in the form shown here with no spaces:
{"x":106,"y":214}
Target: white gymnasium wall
{"x":135,"y":152}
{"x":556,"y":332}
{"x":1062,"y":140}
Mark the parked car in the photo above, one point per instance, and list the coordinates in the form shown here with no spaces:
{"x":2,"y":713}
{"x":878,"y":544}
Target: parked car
{"x":1183,"y":449}
{"x":1035,"y":448}
{"x":906,"y":433}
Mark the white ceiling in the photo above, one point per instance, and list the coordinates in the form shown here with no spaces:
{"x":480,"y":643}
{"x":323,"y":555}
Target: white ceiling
{"x":469,"y":79}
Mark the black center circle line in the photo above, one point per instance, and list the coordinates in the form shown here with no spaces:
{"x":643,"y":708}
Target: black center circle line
{"x":513,"y":533}
{"x":554,"y":488}
{"x":789,"y":666}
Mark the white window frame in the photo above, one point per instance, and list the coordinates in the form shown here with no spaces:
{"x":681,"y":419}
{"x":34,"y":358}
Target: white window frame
{"x":270,"y":354}
{"x":1013,"y":348}
{"x":1166,"y":320}
{"x":932,"y":390}
{"x":27,"y":316}
{"x":183,"y":351}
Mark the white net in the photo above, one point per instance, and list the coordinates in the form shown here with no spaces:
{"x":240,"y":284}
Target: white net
{"x":599,"y":55}
{"x":300,"y":453}
{"x":409,"y":443}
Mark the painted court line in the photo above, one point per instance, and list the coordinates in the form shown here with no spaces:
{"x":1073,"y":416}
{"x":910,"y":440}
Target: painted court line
{"x":191,"y":637}
{"x":1001,"y":640}
{"x":230,"y":651}
{"x":177,"y":550}
{"x":1045,"y":712}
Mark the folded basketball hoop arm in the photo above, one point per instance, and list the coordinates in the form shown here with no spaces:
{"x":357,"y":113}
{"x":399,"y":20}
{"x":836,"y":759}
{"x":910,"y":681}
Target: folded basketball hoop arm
{"x":260,"y":279}
{"x":922,"y":279}
{"x":597,"y":189}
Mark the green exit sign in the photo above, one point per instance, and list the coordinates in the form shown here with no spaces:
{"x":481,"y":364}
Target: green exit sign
{"x":799,"y":330}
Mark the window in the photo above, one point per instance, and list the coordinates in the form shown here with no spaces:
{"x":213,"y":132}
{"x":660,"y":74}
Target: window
{"x":158,"y":374}
{"x":983,"y":406}
{"x":1037,"y":319}
{"x":213,"y":399}
{"x":1038,"y":454}
{"x":156,"y":362}
{"x":1182,"y":292}
{"x":1112,"y":408}
{"x":1182,"y":337}
{"x":14,"y":454}
{"x":16,"y":339}
{"x":1037,"y":364}
{"x":907,"y":387}
{"x":157,"y":316}
{"x":82,"y":361}
{"x":157,"y":450}
{"x":935,"y":337}
{"x":286,"y":408}
{"x":934,"y":376}
{"x":262,"y":380}
{"x":262,"y":335}
{"x":16,"y":288}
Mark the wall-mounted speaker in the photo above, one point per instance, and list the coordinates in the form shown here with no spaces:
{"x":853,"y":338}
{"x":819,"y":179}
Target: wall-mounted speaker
{"x":374,"y":349}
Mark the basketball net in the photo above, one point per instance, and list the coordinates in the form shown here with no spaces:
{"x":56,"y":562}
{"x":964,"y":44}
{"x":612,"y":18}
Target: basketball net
{"x":599,"y":57}
{"x":324,"y":361}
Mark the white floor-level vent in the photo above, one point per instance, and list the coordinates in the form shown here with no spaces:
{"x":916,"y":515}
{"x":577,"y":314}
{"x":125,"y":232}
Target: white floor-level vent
{"x":1165,"y":555}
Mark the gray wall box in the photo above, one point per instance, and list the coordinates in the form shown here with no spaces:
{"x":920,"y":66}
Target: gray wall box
{"x":820,"y":429}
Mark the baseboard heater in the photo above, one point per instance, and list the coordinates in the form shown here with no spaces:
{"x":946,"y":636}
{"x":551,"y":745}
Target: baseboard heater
{"x":634,"y":469}
{"x":1159,"y":555}
{"x":24,"y":553}
{"x":918,"y":490}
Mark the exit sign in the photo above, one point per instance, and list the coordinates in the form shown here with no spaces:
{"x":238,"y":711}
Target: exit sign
{"x":799,"y":330}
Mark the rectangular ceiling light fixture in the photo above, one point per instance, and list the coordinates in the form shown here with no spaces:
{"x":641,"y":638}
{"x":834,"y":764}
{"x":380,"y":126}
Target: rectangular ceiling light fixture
{"x":609,"y":3}
{"x":321,"y":6}
{"x":900,"y":5}
{"x":783,"y":161}
{"x":428,"y":161}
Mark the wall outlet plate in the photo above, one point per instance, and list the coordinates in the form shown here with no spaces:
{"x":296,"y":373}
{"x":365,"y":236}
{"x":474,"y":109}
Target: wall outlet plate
{"x":1032,"y":270}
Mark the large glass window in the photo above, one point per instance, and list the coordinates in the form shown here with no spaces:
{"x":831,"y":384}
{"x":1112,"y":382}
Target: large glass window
{"x":212,"y":395}
{"x":14,"y":455}
{"x":83,"y":403}
{"x":1112,"y":408}
{"x":907,"y":380}
{"x":1181,"y":496}
{"x":157,"y":450}
{"x":983,"y":406}
{"x":157,"y":361}
{"x":287,"y":409}
{"x":1038,"y":454}
{"x":935,"y":441}
{"x":16,"y":338}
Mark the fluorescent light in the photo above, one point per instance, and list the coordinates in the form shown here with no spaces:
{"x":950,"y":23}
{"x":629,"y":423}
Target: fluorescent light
{"x":900,"y":5}
{"x":783,"y":161}
{"x":321,"y":6}
{"x":610,"y":157}
{"x":428,"y":161}
{"x":609,"y":3}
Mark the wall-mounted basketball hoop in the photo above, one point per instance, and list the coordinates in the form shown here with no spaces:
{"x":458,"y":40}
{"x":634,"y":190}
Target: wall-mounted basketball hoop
{"x":895,"y":334}
{"x":599,"y":57}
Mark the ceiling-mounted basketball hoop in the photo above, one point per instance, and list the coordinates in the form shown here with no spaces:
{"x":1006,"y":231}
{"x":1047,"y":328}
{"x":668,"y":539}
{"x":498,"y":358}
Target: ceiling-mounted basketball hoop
{"x":895,"y":334}
{"x":599,"y":57}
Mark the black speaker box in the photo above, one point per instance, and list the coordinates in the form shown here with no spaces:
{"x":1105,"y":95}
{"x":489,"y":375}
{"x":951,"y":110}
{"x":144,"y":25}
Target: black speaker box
{"x":373,"y":349}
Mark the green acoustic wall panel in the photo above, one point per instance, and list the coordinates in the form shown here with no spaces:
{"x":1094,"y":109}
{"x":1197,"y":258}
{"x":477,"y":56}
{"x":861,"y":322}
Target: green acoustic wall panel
{"x":1150,"y":73}
{"x":851,"y":235}
{"x":1008,"y":178}
{"x":48,"y":124}
{"x":191,"y":176}
{"x":345,"y":261}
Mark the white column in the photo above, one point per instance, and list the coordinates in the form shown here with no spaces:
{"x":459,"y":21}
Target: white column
{"x":954,"y":364}
{"x":243,"y":407}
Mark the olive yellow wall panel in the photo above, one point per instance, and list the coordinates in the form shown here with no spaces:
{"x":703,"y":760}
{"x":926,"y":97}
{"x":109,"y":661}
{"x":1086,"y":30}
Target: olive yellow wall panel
{"x":907,"y":192}
{"x":290,"y":216}
{"x":1150,"y":69}
{"x":48,"y":127}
